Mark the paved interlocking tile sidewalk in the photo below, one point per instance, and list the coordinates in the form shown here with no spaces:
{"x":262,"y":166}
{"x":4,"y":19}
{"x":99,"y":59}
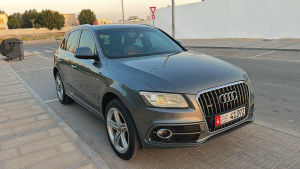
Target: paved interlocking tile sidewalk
{"x":32,"y":137}
{"x":259,"y":44}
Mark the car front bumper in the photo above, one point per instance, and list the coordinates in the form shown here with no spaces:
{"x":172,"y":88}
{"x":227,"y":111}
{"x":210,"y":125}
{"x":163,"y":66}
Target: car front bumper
{"x":204,"y":135}
{"x":189,"y":126}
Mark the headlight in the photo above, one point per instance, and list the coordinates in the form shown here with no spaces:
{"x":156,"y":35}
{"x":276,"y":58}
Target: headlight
{"x":167,"y":100}
{"x":248,"y":81}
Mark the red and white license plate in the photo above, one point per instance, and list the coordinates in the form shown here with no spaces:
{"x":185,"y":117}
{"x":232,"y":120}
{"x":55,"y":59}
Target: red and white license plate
{"x":227,"y":117}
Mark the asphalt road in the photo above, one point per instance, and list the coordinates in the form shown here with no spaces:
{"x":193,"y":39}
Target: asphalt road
{"x":274,"y":75}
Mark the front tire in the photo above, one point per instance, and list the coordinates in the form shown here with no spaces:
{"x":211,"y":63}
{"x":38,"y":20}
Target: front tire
{"x":121,"y":130}
{"x":60,"y":90}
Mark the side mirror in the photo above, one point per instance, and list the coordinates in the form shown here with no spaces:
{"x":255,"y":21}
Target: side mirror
{"x":180,"y":42}
{"x":85,"y":53}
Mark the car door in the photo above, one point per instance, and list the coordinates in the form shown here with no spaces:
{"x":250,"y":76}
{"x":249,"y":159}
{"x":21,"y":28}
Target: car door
{"x":64,"y":65}
{"x":66,"y":59}
{"x":86,"y":72}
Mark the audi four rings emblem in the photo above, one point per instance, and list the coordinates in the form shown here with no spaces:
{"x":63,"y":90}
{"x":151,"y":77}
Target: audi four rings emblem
{"x":228,"y":97}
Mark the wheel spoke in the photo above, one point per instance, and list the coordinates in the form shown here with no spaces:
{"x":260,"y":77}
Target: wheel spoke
{"x":113,"y":124}
{"x":117,"y":117}
{"x":58,"y":81}
{"x":117,"y":138}
{"x":123,"y":140}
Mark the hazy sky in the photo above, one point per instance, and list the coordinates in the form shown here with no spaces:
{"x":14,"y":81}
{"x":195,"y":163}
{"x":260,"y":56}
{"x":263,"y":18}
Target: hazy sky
{"x":103,"y":8}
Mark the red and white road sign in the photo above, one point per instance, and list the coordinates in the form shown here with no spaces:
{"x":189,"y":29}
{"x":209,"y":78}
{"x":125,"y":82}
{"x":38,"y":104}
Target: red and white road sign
{"x":152,"y":10}
{"x":95,"y":23}
{"x":153,"y":16}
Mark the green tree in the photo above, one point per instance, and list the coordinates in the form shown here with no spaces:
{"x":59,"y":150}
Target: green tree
{"x":13,"y":22}
{"x":86,"y":16}
{"x":29,"y":18}
{"x":51,"y":20}
{"x":18,"y":16}
{"x":1,"y":11}
{"x":59,"y":20}
{"x":45,"y":19}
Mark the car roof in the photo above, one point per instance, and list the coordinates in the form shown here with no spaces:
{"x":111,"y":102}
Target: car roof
{"x":113,"y":26}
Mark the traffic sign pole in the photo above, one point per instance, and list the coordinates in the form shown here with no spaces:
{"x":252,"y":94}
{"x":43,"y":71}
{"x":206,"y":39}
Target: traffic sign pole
{"x":173,"y":19}
{"x":153,"y":17}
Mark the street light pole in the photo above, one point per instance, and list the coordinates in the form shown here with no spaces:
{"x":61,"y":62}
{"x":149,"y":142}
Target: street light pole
{"x":123,"y":12}
{"x":173,"y":19}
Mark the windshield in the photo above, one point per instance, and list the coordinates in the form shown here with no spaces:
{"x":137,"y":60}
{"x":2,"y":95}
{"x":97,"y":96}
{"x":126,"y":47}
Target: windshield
{"x":133,"y":42}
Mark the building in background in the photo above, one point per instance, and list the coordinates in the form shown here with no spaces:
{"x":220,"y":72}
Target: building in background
{"x":135,"y":20}
{"x":104,"y":21}
{"x":77,"y":21}
{"x":70,"y":20}
{"x":3,"y":21}
{"x":267,"y":19}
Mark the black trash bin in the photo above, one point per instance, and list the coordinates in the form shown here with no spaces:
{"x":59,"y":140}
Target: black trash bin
{"x":12,"y":48}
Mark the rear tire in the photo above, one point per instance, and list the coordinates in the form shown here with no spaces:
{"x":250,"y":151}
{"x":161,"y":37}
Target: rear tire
{"x":60,"y":90}
{"x":118,"y":119}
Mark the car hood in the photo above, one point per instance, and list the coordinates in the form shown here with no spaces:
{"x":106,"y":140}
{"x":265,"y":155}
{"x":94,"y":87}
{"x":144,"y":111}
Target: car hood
{"x":184,"y":72}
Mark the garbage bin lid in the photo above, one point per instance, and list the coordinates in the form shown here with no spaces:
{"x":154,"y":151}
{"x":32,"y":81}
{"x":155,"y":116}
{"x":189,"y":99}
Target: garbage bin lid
{"x":12,"y":40}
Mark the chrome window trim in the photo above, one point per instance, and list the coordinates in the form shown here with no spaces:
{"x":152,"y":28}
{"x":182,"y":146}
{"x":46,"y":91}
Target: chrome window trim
{"x":215,"y":88}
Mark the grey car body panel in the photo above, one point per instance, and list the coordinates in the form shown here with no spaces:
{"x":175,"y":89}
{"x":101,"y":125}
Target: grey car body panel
{"x":185,"y":73}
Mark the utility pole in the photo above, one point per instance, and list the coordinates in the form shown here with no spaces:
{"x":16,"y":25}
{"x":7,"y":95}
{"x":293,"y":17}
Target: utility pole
{"x":173,"y":19}
{"x":123,"y":12}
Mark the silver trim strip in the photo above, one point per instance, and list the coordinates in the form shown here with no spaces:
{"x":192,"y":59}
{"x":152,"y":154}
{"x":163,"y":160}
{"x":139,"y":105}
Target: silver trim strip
{"x":81,"y":101}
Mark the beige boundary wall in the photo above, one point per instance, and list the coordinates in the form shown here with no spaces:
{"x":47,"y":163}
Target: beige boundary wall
{"x":32,"y":31}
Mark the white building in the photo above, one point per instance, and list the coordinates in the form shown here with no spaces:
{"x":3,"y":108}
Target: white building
{"x":271,"y":19}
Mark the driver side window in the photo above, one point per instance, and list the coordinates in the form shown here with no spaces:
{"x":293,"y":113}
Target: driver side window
{"x":87,"y":40}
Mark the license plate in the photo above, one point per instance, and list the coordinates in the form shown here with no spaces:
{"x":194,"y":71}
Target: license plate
{"x":227,"y":117}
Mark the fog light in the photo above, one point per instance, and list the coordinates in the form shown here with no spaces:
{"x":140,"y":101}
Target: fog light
{"x":164,"y":133}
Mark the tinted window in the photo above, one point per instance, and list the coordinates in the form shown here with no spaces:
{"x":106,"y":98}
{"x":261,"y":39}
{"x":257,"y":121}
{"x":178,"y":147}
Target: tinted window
{"x":132,"y":42}
{"x":87,"y":40}
{"x":64,"y":42}
{"x":72,"y":42}
{"x":157,"y":41}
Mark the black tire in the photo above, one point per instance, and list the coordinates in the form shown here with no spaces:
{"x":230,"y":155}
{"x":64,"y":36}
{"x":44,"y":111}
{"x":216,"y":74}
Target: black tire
{"x":134,"y":146}
{"x":64,"y":98}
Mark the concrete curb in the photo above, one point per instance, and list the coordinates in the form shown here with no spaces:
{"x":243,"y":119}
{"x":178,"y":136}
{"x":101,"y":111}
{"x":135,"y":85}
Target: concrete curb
{"x":215,"y":47}
{"x":85,"y":148}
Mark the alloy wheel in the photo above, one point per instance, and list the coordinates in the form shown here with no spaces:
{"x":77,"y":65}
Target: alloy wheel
{"x":59,"y":88}
{"x":117,"y":130}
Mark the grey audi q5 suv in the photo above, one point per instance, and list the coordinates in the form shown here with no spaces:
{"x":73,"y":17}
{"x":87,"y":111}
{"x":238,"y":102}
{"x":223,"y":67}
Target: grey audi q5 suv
{"x":150,"y":91}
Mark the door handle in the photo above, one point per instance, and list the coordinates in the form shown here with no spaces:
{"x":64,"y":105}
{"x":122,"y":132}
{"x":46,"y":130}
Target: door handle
{"x":59,"y":60}
{"x":74,"y":66}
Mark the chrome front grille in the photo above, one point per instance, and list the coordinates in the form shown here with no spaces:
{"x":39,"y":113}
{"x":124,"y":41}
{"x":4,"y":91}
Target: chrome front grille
{"x":211,"y":105}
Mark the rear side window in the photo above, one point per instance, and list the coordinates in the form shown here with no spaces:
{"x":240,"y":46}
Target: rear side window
{"x":72,"y":42}
{"x":87,"y":40}
{"x":64,"y":43}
